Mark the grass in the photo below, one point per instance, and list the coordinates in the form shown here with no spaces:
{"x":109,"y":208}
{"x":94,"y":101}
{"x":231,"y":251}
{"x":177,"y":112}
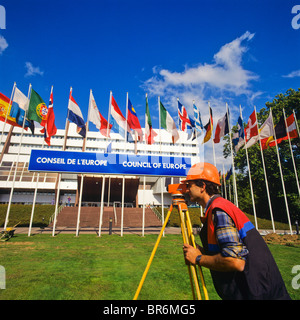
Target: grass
{"x":108,"y":268}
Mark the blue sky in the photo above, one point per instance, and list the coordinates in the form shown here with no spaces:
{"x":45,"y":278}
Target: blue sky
{"x":239,"y":52}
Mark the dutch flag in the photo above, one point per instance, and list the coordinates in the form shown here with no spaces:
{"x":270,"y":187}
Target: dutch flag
{"x":75,"y":115}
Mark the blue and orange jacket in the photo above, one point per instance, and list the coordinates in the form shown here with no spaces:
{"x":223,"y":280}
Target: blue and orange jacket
{"x":261,"y":278}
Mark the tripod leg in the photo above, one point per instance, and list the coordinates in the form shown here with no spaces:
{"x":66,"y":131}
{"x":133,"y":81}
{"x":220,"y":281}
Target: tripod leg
{"x":192,"y":238}
{"x":152,"y":254}
{"x":192,"y":269}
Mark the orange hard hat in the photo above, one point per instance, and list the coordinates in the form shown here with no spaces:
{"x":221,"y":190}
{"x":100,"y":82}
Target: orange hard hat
{"x":203,"y":171}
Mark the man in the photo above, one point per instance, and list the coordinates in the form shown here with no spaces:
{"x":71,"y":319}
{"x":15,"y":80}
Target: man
{"x":240,"y":262}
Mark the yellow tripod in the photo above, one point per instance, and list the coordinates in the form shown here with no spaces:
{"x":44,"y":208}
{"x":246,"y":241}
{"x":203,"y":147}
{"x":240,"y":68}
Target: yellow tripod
{"x":177,"y":191}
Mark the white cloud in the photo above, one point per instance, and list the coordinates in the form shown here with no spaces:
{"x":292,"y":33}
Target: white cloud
{"x":32,"y":71}
{"x":3,"y":44}
{"x":218,"y":82}
{"x":206,"y":81}
{"x":293,"y":74}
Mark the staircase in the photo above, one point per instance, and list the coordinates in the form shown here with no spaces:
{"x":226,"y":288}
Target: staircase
{"x":89,"y":217}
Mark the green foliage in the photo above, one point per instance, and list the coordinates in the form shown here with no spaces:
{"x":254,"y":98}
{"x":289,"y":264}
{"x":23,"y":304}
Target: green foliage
{"x":289,"y":101}
{"x":22,"y":212}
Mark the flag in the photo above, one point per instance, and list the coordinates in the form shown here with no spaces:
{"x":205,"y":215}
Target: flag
{"x":133,"y":121}
{"x":281,"y":132}
{"x":197,"y":117}
{"x":265,"y":132}
{"x":228,"y":174}
{"x":150,"y":134}
{"x":185,"y":122}
{"x":37,"y":109}
{"x":21,"y":99}
{"x":208,"y":127}
{"x":50,"y":129}
{"x":75,"y":116}
{"x":117,"y":120}
{"x":221,"y":129}
{"x":5,"y":107}
{"x":239,"y":137}
{"x":18,"y":108}
{"x":97,"y":119}
{"x":168,"y":123}
{"x":251,"y":129}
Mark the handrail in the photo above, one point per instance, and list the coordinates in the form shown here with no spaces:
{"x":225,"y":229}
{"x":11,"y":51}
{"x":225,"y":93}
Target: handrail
{"x":59,"y":209}
{"x":156,"y":212}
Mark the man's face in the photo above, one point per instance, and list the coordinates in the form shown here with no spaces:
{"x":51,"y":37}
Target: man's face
{"x":193,"y":191}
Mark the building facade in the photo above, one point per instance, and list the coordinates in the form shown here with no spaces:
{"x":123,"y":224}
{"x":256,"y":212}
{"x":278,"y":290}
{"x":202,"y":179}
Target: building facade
{"x":16,"y":146}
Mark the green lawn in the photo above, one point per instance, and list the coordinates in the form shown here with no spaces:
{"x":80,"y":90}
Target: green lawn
{"x":108,"y":268}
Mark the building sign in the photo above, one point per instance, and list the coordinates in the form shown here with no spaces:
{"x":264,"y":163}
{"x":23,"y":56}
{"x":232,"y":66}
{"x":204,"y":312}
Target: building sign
{"x":108,"y":163}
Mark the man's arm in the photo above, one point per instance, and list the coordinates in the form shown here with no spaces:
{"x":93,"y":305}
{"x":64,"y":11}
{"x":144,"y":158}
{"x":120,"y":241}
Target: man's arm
{"x":216,"y":262}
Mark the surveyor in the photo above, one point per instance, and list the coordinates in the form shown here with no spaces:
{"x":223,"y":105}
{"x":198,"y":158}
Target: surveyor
{"x":240,"y":262}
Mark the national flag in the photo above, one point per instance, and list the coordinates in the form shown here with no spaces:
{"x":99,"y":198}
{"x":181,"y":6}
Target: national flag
{"x":208,"y":127}
{"x":118,"y":121}
{"x":97,"y":119}
{"x":238,"y":138}
{"x":50,"y":129}
{"x":185,"y":122}
{"x":75,"y":116}
{"x":18,"y":108}
{"x":197,"y":117}
{"x":150,"y":134}
{"x":133,"y":121}
{"x":251,"y":129}
{"x":21,"y":99}
{"x":37,"y":109}
{"x":281,"y":132}
{"x":265,"y":132}
{"x":5,"y":107}
{"x":222,"y":128}
{"x":168,"y":123}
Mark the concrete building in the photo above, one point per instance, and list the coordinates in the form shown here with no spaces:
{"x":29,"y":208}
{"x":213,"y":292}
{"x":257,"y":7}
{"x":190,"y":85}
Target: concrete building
{"x":15,"y":153}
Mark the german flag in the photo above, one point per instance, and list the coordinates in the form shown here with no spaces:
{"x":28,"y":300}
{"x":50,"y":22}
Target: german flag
{"x":208,"y":127}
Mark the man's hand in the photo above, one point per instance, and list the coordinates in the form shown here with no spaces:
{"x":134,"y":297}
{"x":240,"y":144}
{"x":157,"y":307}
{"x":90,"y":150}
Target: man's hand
{"x":191,"y":253}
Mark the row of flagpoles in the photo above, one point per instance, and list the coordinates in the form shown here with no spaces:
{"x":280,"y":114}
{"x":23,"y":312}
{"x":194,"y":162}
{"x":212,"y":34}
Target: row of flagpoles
{"x":25,"y":110}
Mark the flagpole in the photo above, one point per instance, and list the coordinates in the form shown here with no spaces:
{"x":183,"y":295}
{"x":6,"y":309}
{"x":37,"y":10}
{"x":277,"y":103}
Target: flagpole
{"x":161,"y":181}
{"x":123,"y":179}
{"x":232,"y":159}
{"x":101,"y":205}
{"x":144,"y":189}
{"x":122,"y":210}
{"x":82,"y":175}
{"x":225,"y":191}
{"x":36,"y":187}
{"x":213,"y":144}
{"x":159,"y":122}
{"x":249,"y":173}
{"x":59,"y":175}
{"x":266,"y":179}
{"x":281,"y":176}
{"x":17,"y":163}
{"x":126,"y":124}
{"x":293,"y":160}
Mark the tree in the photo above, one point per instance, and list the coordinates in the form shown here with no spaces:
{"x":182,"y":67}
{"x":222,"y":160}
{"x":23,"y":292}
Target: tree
{"x":289,"y":101}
